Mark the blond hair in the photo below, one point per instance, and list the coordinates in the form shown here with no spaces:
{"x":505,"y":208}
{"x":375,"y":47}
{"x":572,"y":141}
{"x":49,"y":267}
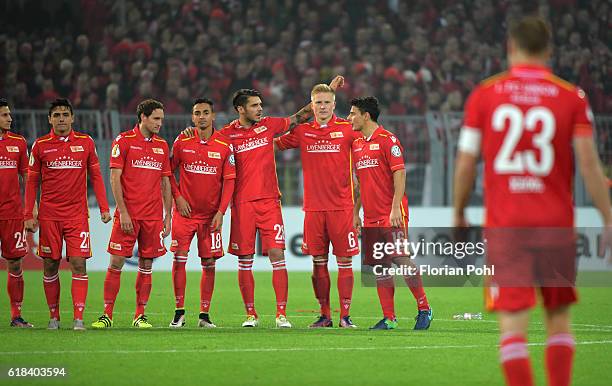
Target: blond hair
{"x":322,"y":87}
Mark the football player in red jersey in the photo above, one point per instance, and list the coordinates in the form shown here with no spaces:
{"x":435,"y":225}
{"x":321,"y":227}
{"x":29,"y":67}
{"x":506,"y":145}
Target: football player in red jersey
{"x":60,"y":163}
{"x":325,"y":148}
{"x":205,"y":164}
{"x":13,"y":164}
{"x":379,"y":165}
{"x":256,"y":202}
{"x":524,"y":123}
{"x":140,"y":179}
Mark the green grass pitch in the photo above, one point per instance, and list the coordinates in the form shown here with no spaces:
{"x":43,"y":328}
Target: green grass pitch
{"x":450,"y":353}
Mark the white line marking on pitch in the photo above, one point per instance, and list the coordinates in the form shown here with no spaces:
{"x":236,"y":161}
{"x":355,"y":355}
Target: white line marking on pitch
{"x":276,"y":349}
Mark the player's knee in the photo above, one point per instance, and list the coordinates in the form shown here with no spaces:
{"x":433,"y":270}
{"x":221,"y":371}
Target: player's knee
{"x":344,"y":260}
{"x":276,"y":255}
{"x":50,"y":266}
{"x":319,"y":260}
{"x":78,"y":267}
{"x":145,"y":263}
{"x":116,"y":262}
{"x":14,"y":266}
{"x":207,"y":263}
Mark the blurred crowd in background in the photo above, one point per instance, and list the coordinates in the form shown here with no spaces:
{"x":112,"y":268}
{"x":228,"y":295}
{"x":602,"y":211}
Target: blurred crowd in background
{"x":414,"y":56}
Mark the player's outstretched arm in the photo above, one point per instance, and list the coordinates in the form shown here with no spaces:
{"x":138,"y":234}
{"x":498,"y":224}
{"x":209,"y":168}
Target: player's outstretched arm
{"x":167,"y":198}
{"x":465,"y":174}
{"x":595,"y":183}
{"x":396,"y":218}
{"x":117,"y":189}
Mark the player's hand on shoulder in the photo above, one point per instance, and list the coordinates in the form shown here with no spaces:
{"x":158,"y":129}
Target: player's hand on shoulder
{"x":106,"y":217}
{"x":188,"y":132}
{"x":183,"y":206}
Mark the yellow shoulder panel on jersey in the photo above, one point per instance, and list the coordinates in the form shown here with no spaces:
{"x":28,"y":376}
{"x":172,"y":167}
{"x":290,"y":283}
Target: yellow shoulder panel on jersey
{"x":43,"y":139}
{"x":492,"y":79}
{"x":159,"y":139}
{"x":16,"y":136}
{"x":342,"y":122}
{"x":79,"y":135}
{"x":561,"y":83}
{"x":221,"y":142}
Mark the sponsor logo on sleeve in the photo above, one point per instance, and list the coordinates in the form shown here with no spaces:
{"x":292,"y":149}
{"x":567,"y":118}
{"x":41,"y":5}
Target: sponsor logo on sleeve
{"x":158,"y":150}
{"x":214,"y":154}
{"x":232,"y":160}
{"x":76,"y":149}
{"x":115,"y":152}
{"x":396,"y":151}
{"x":12,"y":149}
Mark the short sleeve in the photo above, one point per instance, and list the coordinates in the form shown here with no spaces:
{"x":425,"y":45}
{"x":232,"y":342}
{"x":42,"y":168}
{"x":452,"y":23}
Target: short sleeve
{"x":583,"y":116}
{"x":470,"y":137}
{"x":166,"y":170}
{"x":23,"y":157}
{"x":34,"y":164}
{"x":92,"y":159}
{"x":175,"y":153}
{"x":118,"y":153}
{"x":394,"y":153}
{"x":229,"y":166}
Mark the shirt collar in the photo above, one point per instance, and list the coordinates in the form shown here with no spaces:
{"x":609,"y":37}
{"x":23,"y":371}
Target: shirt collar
{"x":375,"y":134}
{"x":331,"y":121}
{"x":140,"y":136}
{"x":530,"y":71}
{"x":69,"y":137}
{"x":203,"y":141}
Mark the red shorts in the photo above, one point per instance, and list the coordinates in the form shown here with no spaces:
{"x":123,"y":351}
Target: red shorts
{"x":525,"y":260}
{"x":183,"y":230}
{"x":74,"y":232}
{"x":380,"y":231}
{"x":335,"y":226}
{"x":149,"y":234}
{"x":248,"y":217}
{"x":13,"y":239}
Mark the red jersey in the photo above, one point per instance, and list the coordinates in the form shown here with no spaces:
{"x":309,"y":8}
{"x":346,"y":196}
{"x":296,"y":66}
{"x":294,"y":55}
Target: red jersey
{"x":376,"y":158}
{"x":63,"y":164}
{"x":526,"y":120}
{"x":326,"y":162}
{"x":203,"y":165}
{"x":144,"y":162}
{"x":13,"y":162}
{"x":254,"y":152}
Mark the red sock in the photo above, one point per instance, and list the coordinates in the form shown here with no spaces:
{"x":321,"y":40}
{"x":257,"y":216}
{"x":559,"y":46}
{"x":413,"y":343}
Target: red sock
{"x":179,"y":279}
{"x":143,"y":290}
{"x":111,"y":289}
{"x":514,"y":359}
{"x":246,"y":282}
{"x":345,"y":287}
{"x":559,"y":359}
{"x":79,"y":294}
{"x":14,"y":286}
{"x":280,"y":282}
{"x":207,"y":285}
{"x":415,"y":284}
{"x":321,"y":285}
{"x":386,"y":290}
{"x":52,"y":293}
